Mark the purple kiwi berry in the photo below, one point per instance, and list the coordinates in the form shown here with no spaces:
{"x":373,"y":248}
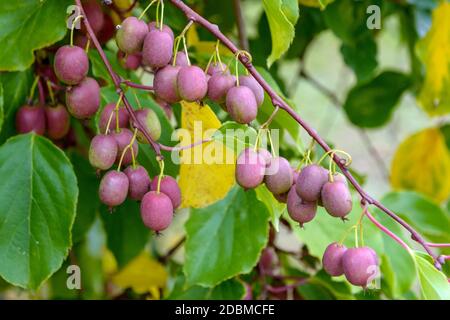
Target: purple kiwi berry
{"x":332,"y":259}
{"x":281,"y":197}
{"x":148,"y":118}
{"x":168,"y":186}
{"x":103,"y":151}
{"x":336,"y":199}
{"x":218,"y":86}
{"x":191,"y":83}
{"x":130,"y":61}
{"x":152,"y":26}
{"x":241,"y":104}
{"x":266,"y":155}
{"x":71,"y":64}
{"x":156,"y":211}
{"x":83,"y":99}
{"x":130,"y":36}
{"x":107,"y":112}
{"x":123,"y":139}
{"x":157,"y":49}
{"x":139,"y":181}
{"x":58,"y":121}
{"x":181,"y":59}
{"x":30,"y":118}
{"x":295,"y":174}
{"x":300,"y":210}
{"x":250,"y":169}
{"x":256,"y":88}
{"x":216,"y":67}
{"x":268,"y":261}
{"x":113,"y":188}
{"x":279,"y":177}
{"x":339,"y":177}
{"x":165,"y":84}
{"x":94,"y":14}
{"x":360,"y":265}
{"x":310,"y":182}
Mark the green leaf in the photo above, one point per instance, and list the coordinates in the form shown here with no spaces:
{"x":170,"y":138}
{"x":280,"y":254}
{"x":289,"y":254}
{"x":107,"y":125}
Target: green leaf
{"x":38,"y":196}
{"x":423,"y":214}
{"x":275,"y":208}
{"x":2,"y":115}
{"x":15,"y":91}
{"x":88,"y":200}
{"x":226,"y":238}
{"x":433,"y":283}
{"x":232,"y":289}
{"x":282,"y":121}
{"x":235,"y":136}
{"x":347,"y":19}
{"x":28,"y":25}
{"x":126,"y":234}
{"x":371,"y":104}
{"x":89,"y":255}
{"x":281,"y":29}
{"x":290,"y":10}
{"x":99,"y":69}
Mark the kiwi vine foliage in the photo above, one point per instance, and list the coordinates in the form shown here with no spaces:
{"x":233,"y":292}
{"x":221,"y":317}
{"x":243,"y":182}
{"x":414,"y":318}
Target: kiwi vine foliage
{"x":74,"y":228}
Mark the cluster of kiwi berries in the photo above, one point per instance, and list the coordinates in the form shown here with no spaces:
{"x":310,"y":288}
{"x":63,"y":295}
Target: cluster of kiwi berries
{"x":302,"y":190}
{"x":176,"y":79}
{"x":359,"y":265}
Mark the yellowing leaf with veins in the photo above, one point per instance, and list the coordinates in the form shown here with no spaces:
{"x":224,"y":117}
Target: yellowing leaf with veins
{"x":204,"y":47}
{"x":434,"y":51}
{"x":422,"y":163}
{"x":142,"y":274}
{"x":207,"y":170}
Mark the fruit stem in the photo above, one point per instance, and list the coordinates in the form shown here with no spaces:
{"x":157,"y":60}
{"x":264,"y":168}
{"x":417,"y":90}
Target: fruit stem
{"x":137,"y":99}
{"x":73,"y":27}
{"x":271,"y":117}
{"x":218,"y":56}
{"x":161,"y":174}
{"x":50,"y":92}
{"x":130,"y":145}
{"x":146,"y":8}
{"x":272,"y":149}
{"x":33,"y":89}
{"x":86,"y":49}
{"x":112,"y":113}
{"x":345,"y":235}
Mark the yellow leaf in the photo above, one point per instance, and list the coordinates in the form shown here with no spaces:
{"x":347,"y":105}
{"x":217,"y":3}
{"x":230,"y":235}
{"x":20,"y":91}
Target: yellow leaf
{"x":142,"y":274}
{"x":434,"y":51}
{"x":207,"y":170}
{"x":109,"y":263}
{"x":422,"y":163}
{"x":204,"y":47}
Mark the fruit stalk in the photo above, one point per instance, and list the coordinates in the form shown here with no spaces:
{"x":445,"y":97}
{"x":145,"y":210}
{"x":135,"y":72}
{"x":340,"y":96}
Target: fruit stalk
{"x":277,"y":101}
{"x":117,"y":82}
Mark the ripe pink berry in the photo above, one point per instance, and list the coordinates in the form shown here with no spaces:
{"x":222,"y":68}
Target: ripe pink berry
{"x":268,"y":260}
{"x":279,"y":177}
{"x":107,"y":112}
{"x":310,"y":182}
{"x":58,"y":121}
{"x":168,"y":186}
{"x":148,"y":118}
{"x":241,"y":104}
{"x":157,"y":49}
{"x":123,"y":139}
{"x":181,"y":59}
{"x":360,"y":265}
{"x":250,"y":169}
{"x":156,"y":211}
{"x":130,"y":61}
{"x":256,"y":88}
{"x":165,"y":84}
{"x":218,"y":86}
{"x":71,"y":64}
{"x":332,"y":259}
{"x":282,"y":197}
{"x":94,"y":14}
{"x":191,"y":83}
{"x":300,"y":210}
{"x":336,"y":199}
{"x":216,"y":67}
{"x":139,"y":181}
{"x":83,"y":99}
{"x":266,"y":155}
{"x":113,"y":188}
{"x":152,"y":26}
{"x":30,"y":118}
{"x":131,"y":34}
{"x":103,"y":151}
